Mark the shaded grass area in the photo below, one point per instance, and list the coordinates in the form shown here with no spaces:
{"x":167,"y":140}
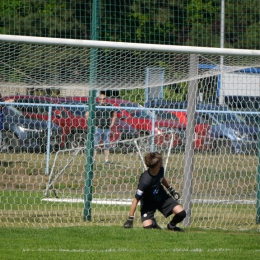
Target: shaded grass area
{"x":99,"y":242}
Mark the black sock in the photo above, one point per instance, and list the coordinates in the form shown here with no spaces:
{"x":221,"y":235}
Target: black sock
{"x":177,"y":218}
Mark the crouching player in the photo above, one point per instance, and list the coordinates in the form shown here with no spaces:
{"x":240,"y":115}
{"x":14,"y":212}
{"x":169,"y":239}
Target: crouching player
{"x":153,"y":196}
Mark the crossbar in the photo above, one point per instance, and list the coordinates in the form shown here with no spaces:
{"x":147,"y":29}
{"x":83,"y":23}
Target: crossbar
{"x":127,"y":46}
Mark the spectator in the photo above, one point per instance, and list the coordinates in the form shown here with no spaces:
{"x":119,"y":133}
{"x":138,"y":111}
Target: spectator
{"x":104,"y":121}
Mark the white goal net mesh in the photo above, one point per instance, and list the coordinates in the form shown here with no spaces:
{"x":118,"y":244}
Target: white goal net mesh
{"x":64,"y":67}
{"x":43,"y":158}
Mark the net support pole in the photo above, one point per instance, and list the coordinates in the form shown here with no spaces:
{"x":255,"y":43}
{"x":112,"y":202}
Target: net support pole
{"x":222,"y":44}
{"x":92,"y":110}
{"x":258,"y":182}
{"x":48,"y":141}
{"x":189,"y":146}
{"x":152,"y":132}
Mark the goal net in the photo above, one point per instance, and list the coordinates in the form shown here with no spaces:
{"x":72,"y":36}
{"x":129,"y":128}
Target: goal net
{"x":174,"y":100}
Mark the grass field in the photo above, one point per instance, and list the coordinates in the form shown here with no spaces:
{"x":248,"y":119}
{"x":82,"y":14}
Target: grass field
{"x":33,"y":228}
{"x":100,"y":242}
{"x":20,"y":208}
{"x":224,"y":187}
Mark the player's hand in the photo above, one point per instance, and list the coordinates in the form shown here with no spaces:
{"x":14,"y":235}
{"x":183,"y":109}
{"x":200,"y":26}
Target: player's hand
{"x":129,"y":222}
{"x":174,"y":193}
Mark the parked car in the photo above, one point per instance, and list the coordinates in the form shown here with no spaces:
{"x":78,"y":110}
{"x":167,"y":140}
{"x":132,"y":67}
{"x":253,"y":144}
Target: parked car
{"x":227,"y":128}
{"x":142,"y":121}
{"x":70,"y":116}
{"x":251,"y":117}
{"x":202,"y":138}
{"x":24,"y":134}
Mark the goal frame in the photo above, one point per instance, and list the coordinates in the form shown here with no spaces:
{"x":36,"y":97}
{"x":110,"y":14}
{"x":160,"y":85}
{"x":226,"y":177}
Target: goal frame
{"x":152,"y":48}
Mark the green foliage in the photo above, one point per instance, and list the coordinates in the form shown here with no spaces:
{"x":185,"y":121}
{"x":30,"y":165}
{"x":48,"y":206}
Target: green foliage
{"x":202,"y":11}
{"x":179,"y":22}
{"x":240,"y":19}
{"x":153,"y":22}
{"x":135,"y":95}
{"x":43,"y":18}
{"x":177,"y":92}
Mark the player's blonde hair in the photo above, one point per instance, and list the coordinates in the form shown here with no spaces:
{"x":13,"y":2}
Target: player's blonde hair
{"x":152,"y":159}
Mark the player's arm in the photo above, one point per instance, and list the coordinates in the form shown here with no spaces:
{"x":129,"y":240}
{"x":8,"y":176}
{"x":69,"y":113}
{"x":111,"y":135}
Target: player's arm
{"x":86,"y":115}
{"x":10,"y":100}
{"x":133,"y":207}
{"x":170,"y":189}
{"x":130,"y":220}
{"x":113,"y":119}
{"x":165,"y":183}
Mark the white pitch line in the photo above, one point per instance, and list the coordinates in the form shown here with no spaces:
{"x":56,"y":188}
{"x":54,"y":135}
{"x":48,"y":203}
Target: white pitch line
{"x":102,"y":202}
{"x":112,"y":250}
{"x":129,"y":201}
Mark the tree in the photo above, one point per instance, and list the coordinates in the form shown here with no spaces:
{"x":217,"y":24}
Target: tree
{"x":46,"y":18}
{"x":242,"y":23}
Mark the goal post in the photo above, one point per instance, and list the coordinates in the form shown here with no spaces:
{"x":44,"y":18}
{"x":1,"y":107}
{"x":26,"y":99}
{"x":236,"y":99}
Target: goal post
{"x":189,"y":155}
{"x":209,"y":178}
{"x":128,"y":46}
{"x":92,"y":109}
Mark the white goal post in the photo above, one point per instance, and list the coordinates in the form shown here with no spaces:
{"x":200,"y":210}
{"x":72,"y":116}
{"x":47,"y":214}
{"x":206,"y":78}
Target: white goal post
{"x":210,"y":182}
{"x":128,"y":46}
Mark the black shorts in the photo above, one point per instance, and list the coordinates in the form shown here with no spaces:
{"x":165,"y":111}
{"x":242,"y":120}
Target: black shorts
{"x":165,"y":207}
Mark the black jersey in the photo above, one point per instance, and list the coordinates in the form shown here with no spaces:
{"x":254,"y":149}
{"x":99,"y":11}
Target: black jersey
{"x":150,"y":187}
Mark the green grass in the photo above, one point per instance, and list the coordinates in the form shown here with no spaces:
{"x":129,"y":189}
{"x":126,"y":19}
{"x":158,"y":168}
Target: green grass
{"x":99,"y":242}
{"x":27,"y":208}
{"x":23,"y":181}
{"x":215,"y":177}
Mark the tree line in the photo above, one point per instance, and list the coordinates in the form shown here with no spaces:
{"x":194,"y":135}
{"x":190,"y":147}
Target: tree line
{"x":178,"y":22}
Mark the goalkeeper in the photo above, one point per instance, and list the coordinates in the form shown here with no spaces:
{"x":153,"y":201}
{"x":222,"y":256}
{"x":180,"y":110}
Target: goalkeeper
{"x":153,"y":196}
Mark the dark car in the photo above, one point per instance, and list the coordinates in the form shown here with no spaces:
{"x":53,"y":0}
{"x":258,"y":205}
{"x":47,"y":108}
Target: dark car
{"x":226,"y":126}
{"x":70,"y":116}
{"x":24,"y":134}
{"x":251,"y":117}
